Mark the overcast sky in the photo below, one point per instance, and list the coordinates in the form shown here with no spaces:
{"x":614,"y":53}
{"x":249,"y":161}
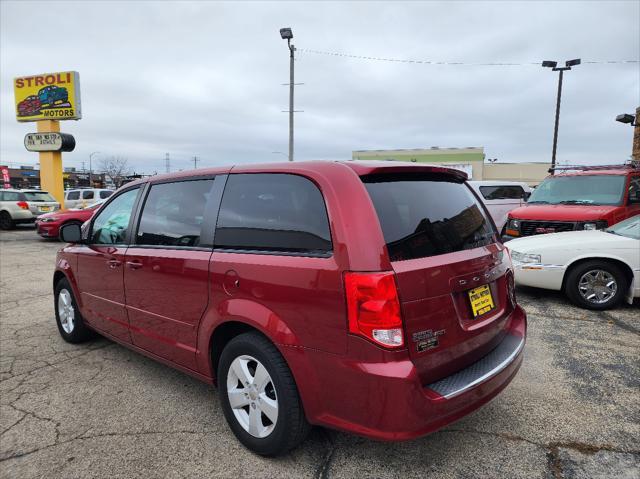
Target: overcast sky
{"x":204,"y":78}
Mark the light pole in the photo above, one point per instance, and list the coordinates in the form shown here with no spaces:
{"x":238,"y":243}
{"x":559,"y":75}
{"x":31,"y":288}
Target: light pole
{"x":633,"y":121}
{"x":554,"y":67}
{"x":90,"y":170}
{"x":287,"y":35}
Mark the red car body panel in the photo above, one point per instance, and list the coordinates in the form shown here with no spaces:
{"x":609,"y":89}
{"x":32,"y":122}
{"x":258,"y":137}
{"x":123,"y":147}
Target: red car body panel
{"x":575,"y":213}
{"x":176,"y":299}
{"x":51,"y":229}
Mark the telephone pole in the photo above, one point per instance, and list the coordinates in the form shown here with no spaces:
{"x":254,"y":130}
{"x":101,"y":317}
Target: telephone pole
{"x":195,"y":162}
{"x":167,"y":163}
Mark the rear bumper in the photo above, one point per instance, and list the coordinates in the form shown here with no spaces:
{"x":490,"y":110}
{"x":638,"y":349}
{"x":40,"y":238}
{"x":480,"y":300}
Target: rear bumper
{"x":22,"y":216}
{"x":386,"y":400}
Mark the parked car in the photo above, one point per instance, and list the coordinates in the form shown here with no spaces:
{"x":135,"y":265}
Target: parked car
{"x":595,"y":269}
{"x":374,"y":298}
{"x":52,"y":93}
{"x":23,"y":206}
{"x":85,"y":196}
{"x":588,"y":198}
{"x":29,"y":106}
{"x":48,"y":225}
{"x":500,"y":197}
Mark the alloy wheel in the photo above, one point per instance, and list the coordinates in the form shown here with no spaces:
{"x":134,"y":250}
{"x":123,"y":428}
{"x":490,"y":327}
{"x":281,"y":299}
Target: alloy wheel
{"x":252,"y":396}
{"x":597,"y":286}
{"x":66,"y":311}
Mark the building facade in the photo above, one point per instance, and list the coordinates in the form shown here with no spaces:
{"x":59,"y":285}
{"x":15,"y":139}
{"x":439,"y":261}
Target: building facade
{"x":26,"y":177}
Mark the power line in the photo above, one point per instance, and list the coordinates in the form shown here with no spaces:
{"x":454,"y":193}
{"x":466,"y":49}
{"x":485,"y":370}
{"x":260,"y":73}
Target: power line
{"x":450,"y":63}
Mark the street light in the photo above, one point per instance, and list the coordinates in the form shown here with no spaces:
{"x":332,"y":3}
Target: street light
{"x":626,"y":118}
{"x":554,"y":67}
{"x":287,"y":34}
{"x":90,"y":170}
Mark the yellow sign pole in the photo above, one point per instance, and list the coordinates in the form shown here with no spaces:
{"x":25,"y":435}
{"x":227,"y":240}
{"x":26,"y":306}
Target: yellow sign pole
{"x":51,"y":179}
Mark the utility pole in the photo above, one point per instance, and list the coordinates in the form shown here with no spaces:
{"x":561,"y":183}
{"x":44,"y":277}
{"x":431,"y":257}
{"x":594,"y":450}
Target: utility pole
{"x":90,"y":169}
{"x":554,"y":66}
{"x":287,"y":35}
{"x":167,"y":163}
{"x":195,"y":162}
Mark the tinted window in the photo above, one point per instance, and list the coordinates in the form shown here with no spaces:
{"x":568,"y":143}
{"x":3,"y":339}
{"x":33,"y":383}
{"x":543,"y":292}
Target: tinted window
{"x":502,"y":192}
{"x":273,"y":212}
{"x":38,"y":196}
{"x":426,"y":216}
{"x":87,"y":195}
{"x":173,"y":213}
{"x":73,"y":195}
{"x":12,"y":196}
{"x":105,"y":194}
{"x":111,"y":224}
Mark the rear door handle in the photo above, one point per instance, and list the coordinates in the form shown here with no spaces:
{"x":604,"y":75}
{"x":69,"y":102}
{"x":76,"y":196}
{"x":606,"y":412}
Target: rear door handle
{"x":114,"y":263}
{"x":134,"y":264}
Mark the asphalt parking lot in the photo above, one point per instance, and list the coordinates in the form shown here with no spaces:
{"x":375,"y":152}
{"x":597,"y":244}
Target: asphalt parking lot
{"x":99,"y":410}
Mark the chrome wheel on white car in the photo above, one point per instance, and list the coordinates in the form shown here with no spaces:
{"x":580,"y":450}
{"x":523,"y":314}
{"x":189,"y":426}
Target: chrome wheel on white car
{"x":597,"y":286}
{"x":252,"y":396}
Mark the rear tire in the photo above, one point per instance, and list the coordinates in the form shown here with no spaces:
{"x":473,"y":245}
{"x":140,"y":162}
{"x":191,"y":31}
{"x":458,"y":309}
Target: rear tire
{"x":267,"y":416}
{"x":68,"y":318}
{"x":596,"y":284}
{"x":6,"y":222}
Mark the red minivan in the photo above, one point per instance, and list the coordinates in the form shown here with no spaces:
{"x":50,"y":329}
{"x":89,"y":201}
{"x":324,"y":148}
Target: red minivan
{"x":374,"y":298}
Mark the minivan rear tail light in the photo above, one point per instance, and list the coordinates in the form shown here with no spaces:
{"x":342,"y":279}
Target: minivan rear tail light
{"x":373,"y":308}
{"x":23,"y":205}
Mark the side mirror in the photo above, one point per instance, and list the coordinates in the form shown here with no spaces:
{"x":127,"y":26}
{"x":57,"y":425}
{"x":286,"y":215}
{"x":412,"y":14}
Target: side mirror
{"x":71,"y":233}
{"x":527,"y":194}
{"x":634,"y":197}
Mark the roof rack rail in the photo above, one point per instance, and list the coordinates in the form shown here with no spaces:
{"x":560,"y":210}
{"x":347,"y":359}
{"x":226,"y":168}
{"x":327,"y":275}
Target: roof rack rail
{"x":631,"y":164}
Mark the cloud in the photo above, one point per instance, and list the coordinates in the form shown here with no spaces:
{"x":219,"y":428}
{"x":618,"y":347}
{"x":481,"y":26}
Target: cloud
{"x":204,"y":78}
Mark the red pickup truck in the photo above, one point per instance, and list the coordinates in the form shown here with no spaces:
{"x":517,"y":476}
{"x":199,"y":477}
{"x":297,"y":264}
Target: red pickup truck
{"x":580,"y":198}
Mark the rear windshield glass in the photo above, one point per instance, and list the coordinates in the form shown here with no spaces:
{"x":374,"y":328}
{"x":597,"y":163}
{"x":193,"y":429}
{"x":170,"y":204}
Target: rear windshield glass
{"x":426,"y":215}
{"x":38,"y":196}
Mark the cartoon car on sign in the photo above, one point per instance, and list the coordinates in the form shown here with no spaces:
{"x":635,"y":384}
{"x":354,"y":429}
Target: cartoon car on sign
{"x":51,"y":94}
{"x":29,"y":106}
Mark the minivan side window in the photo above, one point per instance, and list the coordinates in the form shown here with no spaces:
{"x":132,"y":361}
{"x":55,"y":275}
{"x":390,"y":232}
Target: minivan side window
{"x":502,"y":192}
{"x":173,"y":213}
{"x":105,"y":194}
{"x":73,"y":195}
{"x":112,"y":222}
{"x":87,"y":195}
{"x":273,"y":212}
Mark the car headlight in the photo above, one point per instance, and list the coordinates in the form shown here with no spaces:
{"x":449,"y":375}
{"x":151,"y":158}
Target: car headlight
{"x":514,"y":224}
{"x":49,"y":219}
{"x":595,"y":225}
{"x":525,"y":257}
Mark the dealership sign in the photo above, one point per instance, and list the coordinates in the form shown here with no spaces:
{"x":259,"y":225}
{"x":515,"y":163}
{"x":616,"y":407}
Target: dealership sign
{"x":50,"y":96}
{"x":49,"y":142}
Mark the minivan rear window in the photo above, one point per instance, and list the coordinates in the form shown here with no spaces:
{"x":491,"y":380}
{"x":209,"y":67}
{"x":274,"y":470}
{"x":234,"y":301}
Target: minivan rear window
{"x":427,"y":215}
{"x":273,"y":212}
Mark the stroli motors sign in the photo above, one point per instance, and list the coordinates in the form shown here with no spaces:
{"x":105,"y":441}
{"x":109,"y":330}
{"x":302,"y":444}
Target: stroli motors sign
{"x":49,"y":142}
{"x":49,"y":96}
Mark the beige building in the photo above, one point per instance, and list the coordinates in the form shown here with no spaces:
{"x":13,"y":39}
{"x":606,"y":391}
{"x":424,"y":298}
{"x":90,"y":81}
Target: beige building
{"x":471,"y":160}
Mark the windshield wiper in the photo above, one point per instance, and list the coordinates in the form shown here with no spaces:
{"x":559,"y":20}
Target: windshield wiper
{"x":537,"y":201}
{"x":576,"y":202}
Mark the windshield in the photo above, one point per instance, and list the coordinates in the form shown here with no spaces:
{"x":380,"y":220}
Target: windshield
{"x":578,"y":190}
{"x":629,"y":228}
{"x":37,"y":196}
{"x":424,"y":215}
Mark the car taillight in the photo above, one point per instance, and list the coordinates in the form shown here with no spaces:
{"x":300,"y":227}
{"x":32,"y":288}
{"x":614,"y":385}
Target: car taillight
{"x":373,"y":308}
{"x":23,"y":205}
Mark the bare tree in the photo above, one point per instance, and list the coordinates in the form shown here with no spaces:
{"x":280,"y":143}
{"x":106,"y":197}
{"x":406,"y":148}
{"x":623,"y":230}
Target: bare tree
{"x":115,"y":168}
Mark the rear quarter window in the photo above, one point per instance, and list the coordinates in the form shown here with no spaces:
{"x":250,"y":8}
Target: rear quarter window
{"x":502,"y":192}
{"x":273,"y":212}
{"x":105,"y":194}
{"x":426,"y":215}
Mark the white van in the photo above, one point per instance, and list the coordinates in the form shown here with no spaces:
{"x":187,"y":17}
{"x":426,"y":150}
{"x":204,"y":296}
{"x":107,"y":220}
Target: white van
{"x":500,"y":197}
{"x":81,"y":198}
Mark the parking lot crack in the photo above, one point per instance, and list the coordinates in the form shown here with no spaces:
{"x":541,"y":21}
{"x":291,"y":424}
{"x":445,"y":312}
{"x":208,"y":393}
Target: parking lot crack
{"x":324,"y":468}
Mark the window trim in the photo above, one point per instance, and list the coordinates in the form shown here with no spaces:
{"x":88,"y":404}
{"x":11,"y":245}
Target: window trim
{"x":326,"y":254}
{"x":134,"y":211}
{"x":207,"y":230}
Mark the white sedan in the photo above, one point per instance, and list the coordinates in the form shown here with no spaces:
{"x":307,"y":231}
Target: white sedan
{"x":595,"y":269}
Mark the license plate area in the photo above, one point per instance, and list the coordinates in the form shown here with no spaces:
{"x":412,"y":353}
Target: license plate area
{"x":45,"y":208}
{"x":481,"y":300}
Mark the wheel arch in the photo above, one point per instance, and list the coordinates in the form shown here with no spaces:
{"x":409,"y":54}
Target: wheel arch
{"x":628,"y":272}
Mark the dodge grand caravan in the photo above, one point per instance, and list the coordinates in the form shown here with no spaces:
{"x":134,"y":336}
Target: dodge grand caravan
{"x":368,"y":297}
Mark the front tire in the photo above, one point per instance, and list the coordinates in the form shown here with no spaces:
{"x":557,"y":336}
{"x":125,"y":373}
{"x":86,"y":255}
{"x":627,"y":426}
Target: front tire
{"x":68,"y":318}
{"x":596,"y":285}
{"x":6,"y":222}
{"x":259,"y":396}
